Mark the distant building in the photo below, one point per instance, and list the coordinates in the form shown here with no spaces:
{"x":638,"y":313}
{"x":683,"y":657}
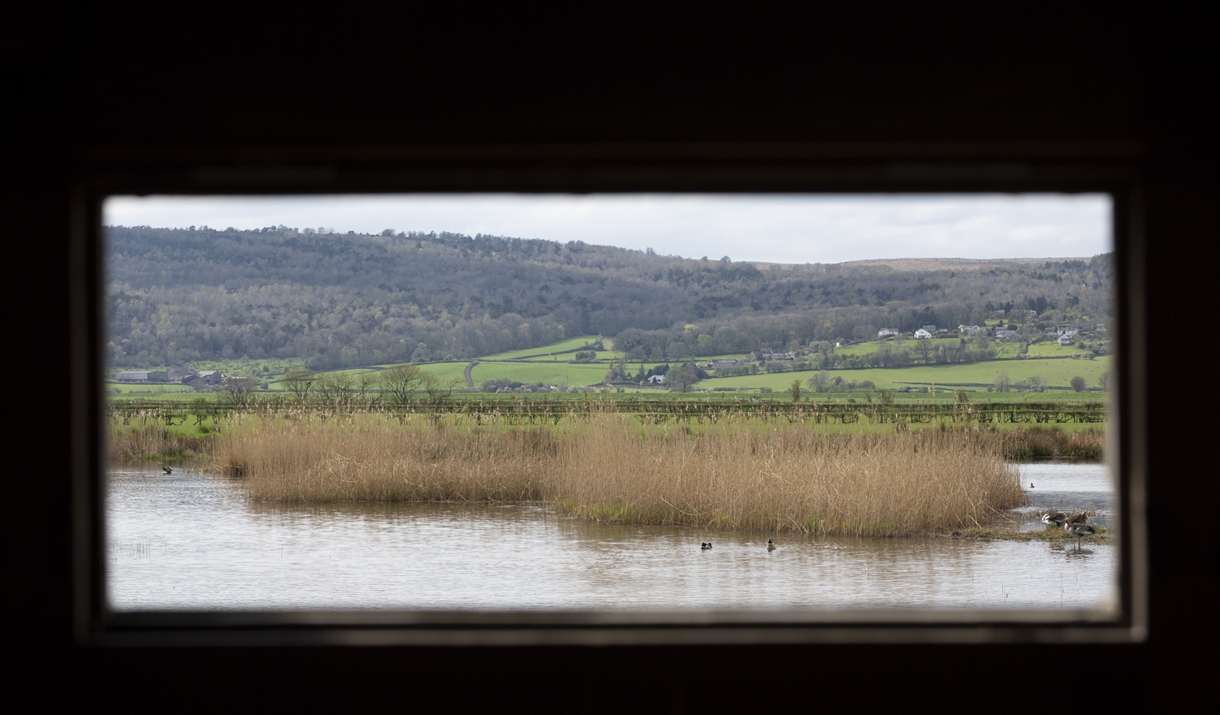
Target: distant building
{"x":1065,"y":340}
{"x":968,"y":329}
{"x":716,"y":364}
{"x":1008,"y":335}
{"x":886,"y":332}
{"x":210,"y":377}
{"x":929,"y":328}
{"x":766,"y":355}
{"x":656,"y":379}
{"x":142,"y":376}
{"x":922,"y":334}
{"x":179,"y":374}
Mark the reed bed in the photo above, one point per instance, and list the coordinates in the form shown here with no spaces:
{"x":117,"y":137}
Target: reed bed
{"x":1053,"y":443}
{"x":153,"y":442}
{"x":612,"y":468}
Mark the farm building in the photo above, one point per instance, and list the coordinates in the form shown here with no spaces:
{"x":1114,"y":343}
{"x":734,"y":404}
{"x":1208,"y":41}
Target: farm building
{"x":140,"y":376}
{"x":922,"y":334}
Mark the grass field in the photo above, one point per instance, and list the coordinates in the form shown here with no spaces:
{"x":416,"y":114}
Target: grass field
{"x":547,"y":373}
{"x":127,"y":390}
{"x":1054,"y":372}
{"x":565,"y":345}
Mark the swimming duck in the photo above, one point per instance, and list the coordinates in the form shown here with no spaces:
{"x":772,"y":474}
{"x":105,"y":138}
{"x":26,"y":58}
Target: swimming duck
{"x":1078,"y":529}
{"x":705,"y":545}
{"x":1057,"y":519}
{"x":770,"y":545}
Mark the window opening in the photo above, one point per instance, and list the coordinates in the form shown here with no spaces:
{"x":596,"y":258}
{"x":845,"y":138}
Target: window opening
{"x":611,"y":402}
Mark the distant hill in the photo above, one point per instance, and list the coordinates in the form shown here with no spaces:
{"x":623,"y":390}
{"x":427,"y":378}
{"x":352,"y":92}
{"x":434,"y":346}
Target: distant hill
{"x":337,"y":300}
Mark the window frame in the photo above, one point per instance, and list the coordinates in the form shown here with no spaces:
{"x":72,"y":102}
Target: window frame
{"x":824,"y":169}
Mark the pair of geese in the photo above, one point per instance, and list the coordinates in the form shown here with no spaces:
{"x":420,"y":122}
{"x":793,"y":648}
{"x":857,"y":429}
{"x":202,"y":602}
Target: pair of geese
{"x":707,"y":545}
{"x":1076,"y":526}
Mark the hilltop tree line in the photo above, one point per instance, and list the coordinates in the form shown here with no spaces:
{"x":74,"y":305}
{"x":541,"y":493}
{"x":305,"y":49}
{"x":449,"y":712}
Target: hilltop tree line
{"x":340,"y":300}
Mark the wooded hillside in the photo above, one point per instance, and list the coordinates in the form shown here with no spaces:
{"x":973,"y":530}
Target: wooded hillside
{"x":337,"y":300}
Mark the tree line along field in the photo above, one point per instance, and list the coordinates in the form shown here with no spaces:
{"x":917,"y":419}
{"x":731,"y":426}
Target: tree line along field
{"x":1055,"y":372}
{"x":553,"y":365}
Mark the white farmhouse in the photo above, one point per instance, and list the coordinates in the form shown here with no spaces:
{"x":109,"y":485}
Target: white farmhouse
{"x":922,"y":334}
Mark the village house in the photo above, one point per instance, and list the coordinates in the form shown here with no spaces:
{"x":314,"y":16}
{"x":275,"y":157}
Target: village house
{"x":971,"y":330}
{"x":922,"y":334}
{"x":1065,"y":339}
{"x":766,"y":355}
{"x":1007,"y":335}
{"x":656,"y":379}
{"x":886,"y":332}
{"x":716,"y":364}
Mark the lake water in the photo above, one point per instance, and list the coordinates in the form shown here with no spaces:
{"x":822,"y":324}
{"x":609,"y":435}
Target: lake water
{"x":192,"y":541}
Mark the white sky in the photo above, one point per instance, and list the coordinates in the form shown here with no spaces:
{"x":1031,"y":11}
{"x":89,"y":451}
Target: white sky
{"x":774,"y":228}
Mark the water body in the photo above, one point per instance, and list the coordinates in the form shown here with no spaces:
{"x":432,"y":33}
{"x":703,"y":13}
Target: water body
{"x":192,"y":541}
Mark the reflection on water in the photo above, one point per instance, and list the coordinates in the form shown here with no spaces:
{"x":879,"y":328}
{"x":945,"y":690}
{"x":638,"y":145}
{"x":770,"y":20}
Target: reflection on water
{"x":191,"y":541}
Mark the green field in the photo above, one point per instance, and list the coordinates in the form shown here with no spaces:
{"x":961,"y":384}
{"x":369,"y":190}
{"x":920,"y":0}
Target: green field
{"x":128,"y":390}
{"x":566,"y":345}
{"x":1054,"y":372}
{"x":548,"y":374}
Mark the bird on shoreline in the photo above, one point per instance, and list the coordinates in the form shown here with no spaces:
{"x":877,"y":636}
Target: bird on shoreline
{"x":1057,"y":519}
{"x":168,"y":470}
{"x":770,"y":545}
{"x":705,"y":545}
{"x":1031,"y":485}
{"x":1078,"y":529}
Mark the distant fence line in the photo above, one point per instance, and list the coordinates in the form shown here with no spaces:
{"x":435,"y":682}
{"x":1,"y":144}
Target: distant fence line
{"x":538,"y":411}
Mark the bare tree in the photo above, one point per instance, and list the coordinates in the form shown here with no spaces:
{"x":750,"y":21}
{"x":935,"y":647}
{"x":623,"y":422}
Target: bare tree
{"x":437,"y":390}
{"x":1103,"y":381}
{"x":334,"y":387}
{"x":299,"y":382}
{"x":1002,"y":383}
{"x":237,"y":389}
{"x":400,"y":381}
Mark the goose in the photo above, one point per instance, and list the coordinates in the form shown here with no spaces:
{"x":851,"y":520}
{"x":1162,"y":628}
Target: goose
{"x":168,"y":470}
{"x":770,"y":545}
{"x":1079,"y":519}
{"x":705,"y":545}
{"x":1057,"y":519}
{"x":1078,"y":529}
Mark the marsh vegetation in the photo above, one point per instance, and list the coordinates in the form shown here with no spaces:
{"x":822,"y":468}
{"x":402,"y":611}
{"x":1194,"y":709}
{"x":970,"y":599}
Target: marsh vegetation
{"x":735,"y":474}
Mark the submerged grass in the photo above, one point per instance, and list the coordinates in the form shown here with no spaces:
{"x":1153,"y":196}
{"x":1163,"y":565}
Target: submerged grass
{"x":611,"y":468}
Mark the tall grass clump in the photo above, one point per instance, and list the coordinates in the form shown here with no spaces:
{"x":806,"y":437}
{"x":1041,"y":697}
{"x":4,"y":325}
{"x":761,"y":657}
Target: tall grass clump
{"x":612,"y":468}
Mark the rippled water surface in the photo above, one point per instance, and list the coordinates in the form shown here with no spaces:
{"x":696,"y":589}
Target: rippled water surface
{"x":191,"y":541}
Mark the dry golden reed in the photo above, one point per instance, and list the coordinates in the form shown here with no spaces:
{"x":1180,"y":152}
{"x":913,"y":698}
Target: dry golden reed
{"x":612,"y":468}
